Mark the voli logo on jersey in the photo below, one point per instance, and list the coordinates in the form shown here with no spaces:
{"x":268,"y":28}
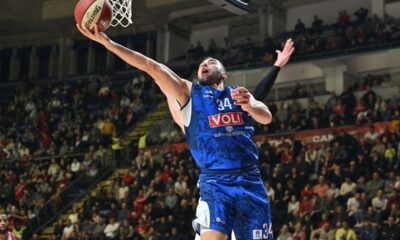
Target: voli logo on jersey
{"x":225,"y":119}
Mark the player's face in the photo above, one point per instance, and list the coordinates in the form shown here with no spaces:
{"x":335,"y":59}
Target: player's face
{"x":3,"y":222}
{"x":211,"y":71}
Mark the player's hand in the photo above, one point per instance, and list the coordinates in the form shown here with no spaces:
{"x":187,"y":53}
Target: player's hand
{"x":97,"y":36}
{"x":284,"y":55}
{"x":241,"y":97}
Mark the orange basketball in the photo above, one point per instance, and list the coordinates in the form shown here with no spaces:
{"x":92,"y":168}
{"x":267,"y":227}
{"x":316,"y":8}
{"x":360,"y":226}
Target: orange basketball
{"x":91,"y":12}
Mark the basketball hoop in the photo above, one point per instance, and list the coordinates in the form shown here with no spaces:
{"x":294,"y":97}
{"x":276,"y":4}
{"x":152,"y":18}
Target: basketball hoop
{"x":122,"y":12}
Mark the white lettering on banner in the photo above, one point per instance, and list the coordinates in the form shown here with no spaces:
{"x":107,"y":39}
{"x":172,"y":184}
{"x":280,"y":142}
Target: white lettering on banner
{"x":225,"y":119}
{"x":322,"y":138}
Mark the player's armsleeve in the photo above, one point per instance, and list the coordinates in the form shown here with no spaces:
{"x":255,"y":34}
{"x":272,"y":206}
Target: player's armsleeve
{"x":265,"y":85}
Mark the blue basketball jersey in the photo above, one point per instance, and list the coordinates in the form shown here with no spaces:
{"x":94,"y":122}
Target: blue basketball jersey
{"x":219,"y":133}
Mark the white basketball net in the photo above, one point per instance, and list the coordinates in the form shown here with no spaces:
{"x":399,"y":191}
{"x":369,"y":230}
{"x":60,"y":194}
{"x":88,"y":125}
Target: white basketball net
{"x":122,"y":12}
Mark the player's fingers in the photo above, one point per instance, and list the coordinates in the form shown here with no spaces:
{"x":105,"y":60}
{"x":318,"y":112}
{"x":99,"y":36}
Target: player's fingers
{"x":96,"y":30}
{"x":80,"y":29}
{"x":291,"y":51}
{"x":278,"y":52}
{"x":241,"y":98}
{"x":241,"y":103}
{"x":87,"y":31}
{"x":288,"y":46}
{"x":241,"y":90}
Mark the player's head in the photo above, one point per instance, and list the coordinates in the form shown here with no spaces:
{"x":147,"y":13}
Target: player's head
{"x":211,"y":71}
{"x":3,"y":222}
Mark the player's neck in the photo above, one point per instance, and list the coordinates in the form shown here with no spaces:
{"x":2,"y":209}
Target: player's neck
{"x":219,"y":86}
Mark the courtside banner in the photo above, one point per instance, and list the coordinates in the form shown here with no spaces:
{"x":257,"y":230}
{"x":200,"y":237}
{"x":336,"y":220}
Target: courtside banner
{"x":319,"y":136}
{"x":314,"y":137}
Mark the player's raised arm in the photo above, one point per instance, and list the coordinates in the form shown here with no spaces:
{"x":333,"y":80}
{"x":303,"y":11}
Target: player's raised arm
{"x":265,"y":85}
{"x":172,"y":84}
{"x":257,"y":110}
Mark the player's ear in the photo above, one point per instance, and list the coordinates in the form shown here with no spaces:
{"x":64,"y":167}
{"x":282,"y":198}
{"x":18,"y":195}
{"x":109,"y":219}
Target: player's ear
{"x":224,"y":76}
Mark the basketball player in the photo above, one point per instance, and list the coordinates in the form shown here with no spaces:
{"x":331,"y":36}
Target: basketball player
{"x":4,"y":233}
{"x":260,"y":92}
{"x":218,"y":127}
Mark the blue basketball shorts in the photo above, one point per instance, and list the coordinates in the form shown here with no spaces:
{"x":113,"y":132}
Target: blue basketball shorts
{"x":234,"y":201}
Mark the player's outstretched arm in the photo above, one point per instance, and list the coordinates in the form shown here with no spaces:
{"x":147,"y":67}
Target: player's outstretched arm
{"x":263,"y":88}
{"x":257,"y":110}
{"x":172,"y":84}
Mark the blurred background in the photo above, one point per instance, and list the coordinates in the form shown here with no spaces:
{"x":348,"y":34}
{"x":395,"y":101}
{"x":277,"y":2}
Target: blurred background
{"x":88,"y":149}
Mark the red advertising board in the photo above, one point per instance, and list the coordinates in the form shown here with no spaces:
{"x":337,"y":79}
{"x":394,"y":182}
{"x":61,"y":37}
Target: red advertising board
{"x":315,"y":137}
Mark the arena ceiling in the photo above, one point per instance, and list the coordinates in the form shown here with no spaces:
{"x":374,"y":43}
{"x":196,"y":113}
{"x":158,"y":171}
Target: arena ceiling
{"x":55,"y":17}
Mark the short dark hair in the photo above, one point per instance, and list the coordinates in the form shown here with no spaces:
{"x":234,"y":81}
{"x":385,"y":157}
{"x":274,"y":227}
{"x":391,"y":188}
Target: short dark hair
{"x":208,"y":57}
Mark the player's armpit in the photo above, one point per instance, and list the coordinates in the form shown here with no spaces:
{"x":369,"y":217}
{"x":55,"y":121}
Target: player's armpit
{"x":174,"y":109}
{"x":175,"y":112}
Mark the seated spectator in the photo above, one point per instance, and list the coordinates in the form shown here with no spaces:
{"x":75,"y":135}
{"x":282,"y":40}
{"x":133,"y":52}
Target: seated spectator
{"x":126,"y":230}
{"x":70,"y":231}
{"x":112,"y":229}
{"x":374,"y":185}
{"x":299,"y":233}
{"x":321,"y":189}
{"x":347,"y":188}
{"x":379,"y":203}
{"x":284,"y":233}
{"x":325,"y":232}
{"x":293,"y":207}
{"x":345,"y":232}
{"x":390,"y":230}
{"x":368,"y":231}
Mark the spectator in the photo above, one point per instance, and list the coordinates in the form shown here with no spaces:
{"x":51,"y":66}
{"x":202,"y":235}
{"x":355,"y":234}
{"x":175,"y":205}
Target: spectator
{"x":379,"y":203}
{"x":126,"y":230}
{"x":374,"y":185}
{"x":112,"y":229}
{"x":318,"y":24}
{"x":368,"y":231}
{"x":371,"y":135}
{"x":75,"y":166}
{"x":212,"y":47}
{"x":284,"y":233}
{"x":345,"y":232}
{"x":171,"y":199}
{"x":321,"y":189}
{"x":324,"y":232}
{"x":390,"y":230}
{"x":293,"y":207}
{"x":347,"y":188}
{"x":70,"y":231}
{"x":354,"y":208}
{"x":180,"y":186}
{"x":361,"y":14}
{"x":299,"y":27}
{"x":299,"y":233}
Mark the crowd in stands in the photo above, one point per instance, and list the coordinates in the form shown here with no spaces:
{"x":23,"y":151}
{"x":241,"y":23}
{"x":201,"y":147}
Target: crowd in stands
{"x":155,"y":199}
{"x":346,"y":188}
{"x":338,"y":110}
{"x":290,"y":115}
{"x":53,"y":133}
{"x":64,"y":118}
{"x":347,"y":33}
{"x":26,"y":187}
